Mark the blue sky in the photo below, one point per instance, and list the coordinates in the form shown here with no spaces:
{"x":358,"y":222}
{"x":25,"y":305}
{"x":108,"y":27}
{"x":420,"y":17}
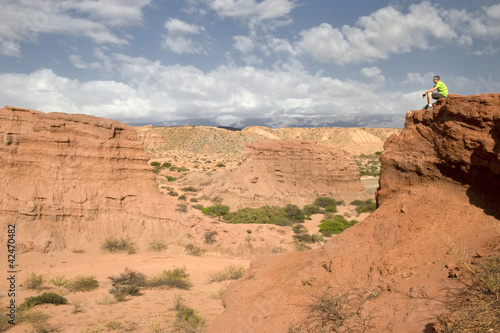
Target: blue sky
{"x":244,"y":62}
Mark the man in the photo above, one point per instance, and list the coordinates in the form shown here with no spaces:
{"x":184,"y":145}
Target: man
{"x":442,"y":92}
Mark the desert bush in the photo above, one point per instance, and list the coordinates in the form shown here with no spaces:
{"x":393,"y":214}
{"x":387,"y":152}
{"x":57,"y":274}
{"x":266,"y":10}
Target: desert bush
{"x":114,"y":245}
{"x":324,"y":202}
{"x":263,"y":215}
{"x":166,"y":165}
{"x":189,"y":189}
{"x":182,"y":208}
{"x":121,"y":292}
{"x":34,"y":281}
{"x":311,"y":209}
{"x":170,"y":178}
{"x":299,"y":228}
{"x":231,"y":272}
{"x":129,"y":277}
{"x":216,"y":210}
{"x":193,"y":250}
{"x":176,"y":278}
{"x":221,"y":165}
{"x":158,"y":246}
{"x":198,"y":206}
{"x":475,"y":307}
{"x":155,"y":164}
{"x":340,"y":312}
{"x":366,"y":206}
{"x":37,"y":319}
{"x":82,"y":283}
{"x":307,"y":238}
{"x":172,"y":193}
{"x":187,"y":319}
{"x":210,"y":237}
{"x":45,"y":298}
{"x":331,"y":208}
{"x":59,"y":281}
{"x":193,"y":199}
{"x":294,"y":213}
{"x":336,"y":225}
{"x":182,"y":197}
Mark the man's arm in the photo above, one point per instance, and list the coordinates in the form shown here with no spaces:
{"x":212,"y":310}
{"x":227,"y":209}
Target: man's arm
{"x":428,"y":91}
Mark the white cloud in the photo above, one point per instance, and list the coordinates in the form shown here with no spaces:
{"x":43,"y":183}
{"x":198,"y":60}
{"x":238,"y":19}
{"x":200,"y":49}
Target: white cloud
{"x":243,"y":44}
{"x":178,"y":27}
{"x":157,"y":93}
{"x":376,"y":36}
{"x":374,"y":74}
{"x":265,"y":10}
{"x":177,"y":39}
{"x":24,"y":21}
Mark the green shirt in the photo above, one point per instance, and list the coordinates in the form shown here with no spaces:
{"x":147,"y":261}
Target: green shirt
{"x":442,"y":89}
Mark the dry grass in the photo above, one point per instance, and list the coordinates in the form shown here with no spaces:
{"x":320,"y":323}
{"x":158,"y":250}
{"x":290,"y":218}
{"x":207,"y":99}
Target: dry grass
{"x":475,"y":307}
{"x":231,"y":272}
{"x":336,"y":312}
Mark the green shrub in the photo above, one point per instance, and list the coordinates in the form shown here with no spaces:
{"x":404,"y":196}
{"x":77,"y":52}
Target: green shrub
{"x":216,"y":210}
{"x":307,"y":238}
{"x":336,"y":225}
{"x":155,"y":164}
{"x":59,"y":281}
{"x":187,"y":319}
{"x":367,"y":206}
{"x":231,"y":272}
{"x":263,"y":215}
{"x":221,"y":165}
{"x":34,"y":281}
{"x":170,"y":178}
{"x":324,"y":202}
{"x":45,"y":298}
{"x":114,"y":245}
{"x":82,"y":283}
{"x":294,"y":212}
{"x":331,"y":208}
{"x":166,"y":165}
{"x":193,"y":199}
{"x":129,"y":277}
{"x":176,"y":278}
{"x":311,"y":209}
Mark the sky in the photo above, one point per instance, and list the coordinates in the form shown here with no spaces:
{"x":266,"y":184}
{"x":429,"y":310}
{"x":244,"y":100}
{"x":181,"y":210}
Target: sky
{"x":236,"y":63}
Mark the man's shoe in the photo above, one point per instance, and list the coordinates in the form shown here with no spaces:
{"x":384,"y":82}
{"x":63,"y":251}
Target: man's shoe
{"x":430,"y":108}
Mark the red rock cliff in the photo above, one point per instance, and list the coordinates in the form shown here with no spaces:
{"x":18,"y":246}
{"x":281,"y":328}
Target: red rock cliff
{"x":66,"y":179}
{"x":298,"y":172}
{"x":438,"y":196}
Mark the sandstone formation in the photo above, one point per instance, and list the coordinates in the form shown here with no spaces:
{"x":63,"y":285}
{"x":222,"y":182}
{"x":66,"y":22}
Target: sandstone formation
{"x":201,"y":139}
{"x":71,"y":179}
{"x":438,"y":203}
{"x":278,"y":173}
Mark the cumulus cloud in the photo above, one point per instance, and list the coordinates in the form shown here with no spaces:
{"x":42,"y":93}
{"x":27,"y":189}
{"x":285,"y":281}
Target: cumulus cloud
{"x":178,"y":40}
{"x":24,"y":21}
{"x":376,"y":36}
{"x":374,"y":74}
{"x":163,"y":94}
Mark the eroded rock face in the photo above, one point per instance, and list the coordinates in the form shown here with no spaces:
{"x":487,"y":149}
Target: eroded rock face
{"x":70,"y":178}
{"x":459,"y":140}
{"x":298,"y":172}
{"x":438,"y":199}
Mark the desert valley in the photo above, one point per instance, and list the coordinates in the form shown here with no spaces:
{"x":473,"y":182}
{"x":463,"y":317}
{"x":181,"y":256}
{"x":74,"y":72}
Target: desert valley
{"x":108,"y":227}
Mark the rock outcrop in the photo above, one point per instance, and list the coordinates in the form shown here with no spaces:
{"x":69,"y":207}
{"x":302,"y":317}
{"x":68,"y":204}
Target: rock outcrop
{"x":438,"y":203}
{"x":69,"y":179}
{"x":210,"y":140}
{"x":297,"y":172}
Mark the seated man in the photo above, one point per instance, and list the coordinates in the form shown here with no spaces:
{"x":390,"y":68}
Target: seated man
{"x":442,"y":92}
